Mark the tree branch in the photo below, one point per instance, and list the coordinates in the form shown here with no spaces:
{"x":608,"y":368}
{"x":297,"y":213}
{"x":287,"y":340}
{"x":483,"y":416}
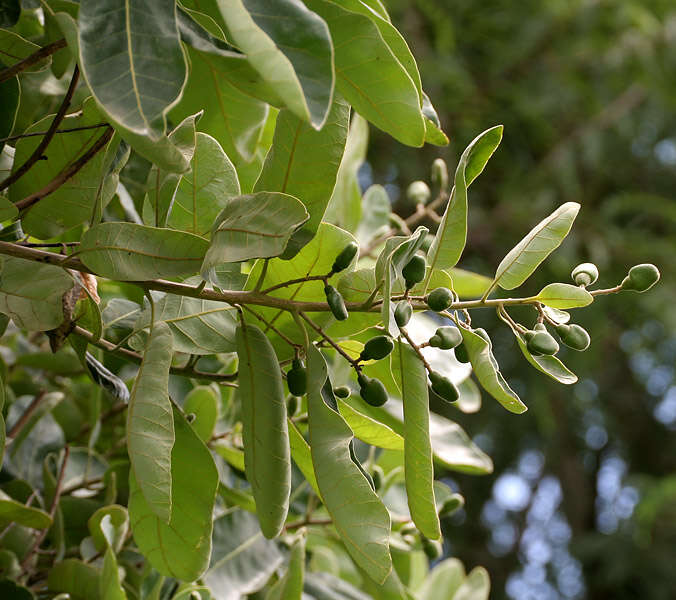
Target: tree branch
{"x":29,"y":61}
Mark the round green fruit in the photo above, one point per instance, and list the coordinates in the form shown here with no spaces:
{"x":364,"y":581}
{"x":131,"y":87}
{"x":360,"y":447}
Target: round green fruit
{"x":342,"y":391}
{"x":443,"y":387}
{"x":378,"y":476}
{"x":377,"y":348}
{"x":414,"y":271}
{"x":296,"y":378}
{"x":585,"y":274}
{"x":418,"y":192}
{"x":542,"y":343}
{"x":641,"y":278}
{"x":440,"y":174}
{"x":461,"y":353}
{"x":446,"y":338}
{"x":336,"y":303}
{"x":345,"y":257}
{"x":440,"y":299}
{"x":539,"y":327}
{"x":432,"y":548}
{"x":292,"y":405}
{"x":372,"y":390}
{"x":402,"y":313}
{"x":573,"y":336}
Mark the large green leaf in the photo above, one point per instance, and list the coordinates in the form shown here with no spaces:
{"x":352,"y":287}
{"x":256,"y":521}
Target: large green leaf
{"x":7,"y":209}
{"x":30,"y":293}
{"x":12,"y":511}
{"x":418,"y":467}
{"x":254,"y":226}
{"x":290,"y":586}
{"x":549,"y":365}
{"x":73,"y":202}
{"x":450,"y":239}
{"x":300,"y":452}
{"x":242,"y":560}
{"x":540,"y":242}
{"x":14,"y":48}
{"x":202,"y":402}
{"x":564,"y":295}
{"x":290,"y":47}
{"x":476,"y":586}
{"x":181,"y":548}
{"x":264,"y":428}
{"x":487,"y":371}
{"x":10,"y":93}
{"x":360,"y":518}
{"x":150,"y":423}
{"x":468,"y":284}
{"x":444,"y":580}
{"x":376,"y":210}
{"x":80,"y":580}
{"x":369,"y":430}
{"x":131,"y":56}
{"x":304,"y":163}
{"x":344,"y":208}
{"x":131,"y":252}
{"x":369,"y":75}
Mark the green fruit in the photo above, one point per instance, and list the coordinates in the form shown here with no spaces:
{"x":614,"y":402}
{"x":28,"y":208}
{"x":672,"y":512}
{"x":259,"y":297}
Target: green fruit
{"x":446,"y":338}
{"x":539,"y":327}
{"x":372,"y":390}
{"x":641,"y":278}
{"x":414,"y":271}
{"x":292,"y":405}
{"x":418,"y":192}
{"x":296,"y":378}
{"x":461,"y":353}
{"x":432,"y":548}
{"x":440,"y":299}
{"x":376,"y":348}
{"x":451,"y":504}
{"x":403,"y":313}
{"x":336,"y":303}
{"x":378,"y":476}
{"x":443,"y":387}
{"x":342,"y":391}
{"x":585,"y":274}
{"x":440,"y":174}
{"x":573,"y":336}
{"x":345,"y":257}
{"x":542,"y":343}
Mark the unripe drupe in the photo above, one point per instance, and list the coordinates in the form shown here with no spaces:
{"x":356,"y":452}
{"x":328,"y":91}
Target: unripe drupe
{"x":345,"y":257}
{"x":336,"y":303}
{"x":372,"y":390}
{"x":414,"y":271}
{"x":641,"y":278}
{"x":377,"y":348}
{"x":440,"y":299}
{"x":296,"y":378}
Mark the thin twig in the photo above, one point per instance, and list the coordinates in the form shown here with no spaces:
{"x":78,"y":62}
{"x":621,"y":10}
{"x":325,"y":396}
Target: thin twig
{"x":295,"y":281}
{"x":11,"y":138}
{"x":320,"y":331}
{"x":23,"y":419}
{"x":29,"y":61}
{"x":262,"y":319}
{"x":67,"y":173}
{"x":54,"y":125}
{"x":305,"y":522}
{"x":416,"y":349}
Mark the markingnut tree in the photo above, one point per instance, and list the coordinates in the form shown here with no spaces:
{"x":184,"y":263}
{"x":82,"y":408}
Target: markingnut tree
{"x":215,"y":374}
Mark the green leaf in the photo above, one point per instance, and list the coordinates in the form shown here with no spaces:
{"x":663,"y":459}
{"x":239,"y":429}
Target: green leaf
{"x":344,"y":208}
{"x":540,"y":242}
{"x":7,"y":209}
{"x":476,"y":586}
{"x":451,"y":237}
{"x":290,"y":47}
{"x":30,"y":293}
{"x":418,"y":467}
{"x":110,"y":587}
{"x":181,"y":548}
{"x":369,"y":75}
{"x":15,"y":512}
{"x":433,"y":132}
{"x":254,"y":226}
{"x":132,"y":59}
{"x":369,"y":430}
{"x":468,"y":284}
{"x":300,"y":452}
{"x":264,"y":428}
{"x":10,"y":11}
{"x":487,"y":371}
{"x":202,"y":402}
{"x":71,"y":576}
{"x":14,"y":48}
{"x":108,"y":527}
{"x":375,"y":209}
{"x":131,"y":252}
{"x":445,"y":579}
{"x":10,"y":589}
{"x":365,"y":532}
{"x":205,"y":189}
{"x":549,"y":365}
{"x":10,"y":93}
{"x":150,"y":424}
{"x":242,"y":560}
{"x":290,"y":586}
{"x":304,"y":163}
{"x":73,"y":202}
{"x":564,"y":295}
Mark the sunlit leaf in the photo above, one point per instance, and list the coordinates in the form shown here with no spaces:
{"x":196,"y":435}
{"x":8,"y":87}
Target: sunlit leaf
{"x":564,"y":295}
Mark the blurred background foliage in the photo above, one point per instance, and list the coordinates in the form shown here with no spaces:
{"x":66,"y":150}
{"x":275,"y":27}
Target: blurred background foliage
{"x":582,"y":503}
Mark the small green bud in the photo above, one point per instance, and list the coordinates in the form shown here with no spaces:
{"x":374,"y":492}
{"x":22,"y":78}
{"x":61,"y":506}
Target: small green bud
{"x":461,"y":353}
{"x":402,"y":313}
{"x":336,"y":303}
{"x":378,"y":476}
{"x":377,"y":348}
{"x":542,"y":343}
{"x":414,"y":271}
{"x":446,"y":338}
{"x":432,"y":548}
{"x":418,"y":192}
{"x":641,"y":278}
{"x":345,"y":257}
{"x":296,"y":378}
{"x":372,"y":390}
{"x":444,"y":387}
{"x":342,"y":391}
{"x":585,"y":274}
{"x":573,"y":336}
{"x":440,"y":174}
{"x":440,"y":299}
